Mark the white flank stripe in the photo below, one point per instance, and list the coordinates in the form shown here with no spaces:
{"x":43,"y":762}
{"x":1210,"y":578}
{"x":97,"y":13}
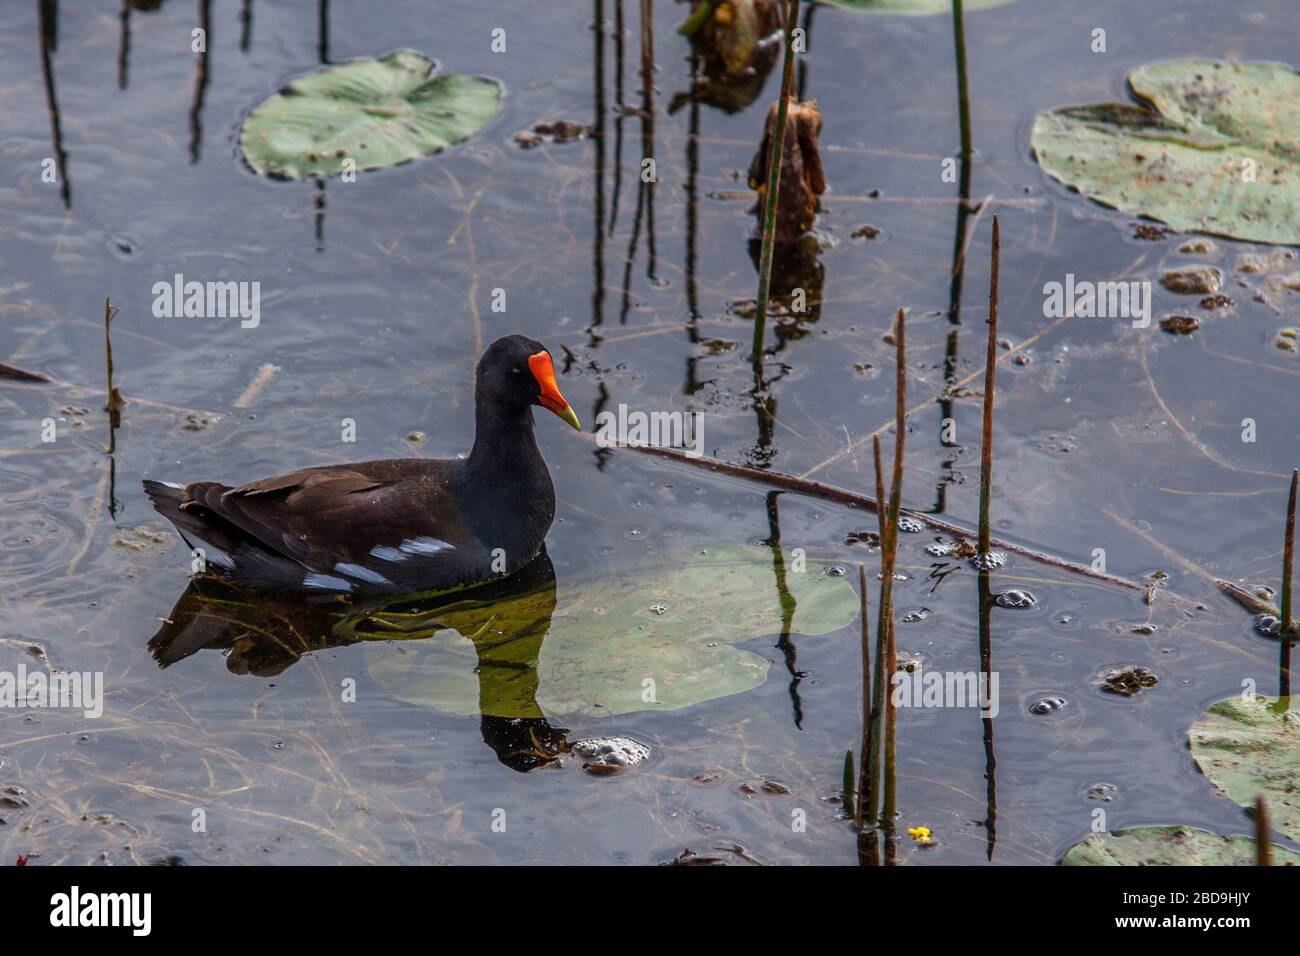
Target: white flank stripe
{"x":219,"y":558}
{"x":361,"y":574}
{"x":326,"y":582}
{"x":425,"y":545}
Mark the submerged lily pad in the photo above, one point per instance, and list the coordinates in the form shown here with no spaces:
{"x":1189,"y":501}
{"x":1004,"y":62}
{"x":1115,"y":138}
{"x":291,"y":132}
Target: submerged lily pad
{"x":375,"y":112}
{"x":1187,"y":154}
{"x":915,"y":8}
{"x":1169,"y":846}
{"x":647,"y":638}
{"x":1251,"y":748}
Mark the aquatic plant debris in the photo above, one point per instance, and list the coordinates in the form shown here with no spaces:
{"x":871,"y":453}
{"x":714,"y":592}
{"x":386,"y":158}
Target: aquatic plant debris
{"x":591,"y":648}
{"x":1198,"y":280}
{"x":365,"y":114}
{"x":1210,"y":146}
{"x":1176,"y":845}
{"x":1127,"y":681}
{"x":802,"y":177}
{"x":1250,"y":748}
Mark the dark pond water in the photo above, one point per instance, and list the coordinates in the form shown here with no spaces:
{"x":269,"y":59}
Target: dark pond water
{"x":376,"y":298}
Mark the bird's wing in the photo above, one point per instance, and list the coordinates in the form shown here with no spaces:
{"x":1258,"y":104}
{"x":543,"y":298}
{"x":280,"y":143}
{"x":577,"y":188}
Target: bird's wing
{"x":354,"y":521}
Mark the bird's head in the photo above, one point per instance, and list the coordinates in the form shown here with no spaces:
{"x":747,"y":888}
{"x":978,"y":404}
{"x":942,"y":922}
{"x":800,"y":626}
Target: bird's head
{"x":517,"y":370}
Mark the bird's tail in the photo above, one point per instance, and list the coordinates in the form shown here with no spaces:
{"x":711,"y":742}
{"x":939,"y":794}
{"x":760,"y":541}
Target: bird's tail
{"x":166,"y":499}
{"x":194,"y":524}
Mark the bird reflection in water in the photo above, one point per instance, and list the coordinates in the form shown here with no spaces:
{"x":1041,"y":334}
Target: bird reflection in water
{"x":263,"y":633}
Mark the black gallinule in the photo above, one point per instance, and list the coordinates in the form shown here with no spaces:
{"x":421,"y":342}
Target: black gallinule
{"x":399,"y":525}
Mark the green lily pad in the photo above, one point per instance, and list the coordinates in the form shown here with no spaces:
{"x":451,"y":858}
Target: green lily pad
{"x":377,"y":113}
{"x":1251,"y":748}
{"x":649,"y":638}
{"x":1169,"y":846}
{"x":1184,"y":154}
{"x":912,"y":8}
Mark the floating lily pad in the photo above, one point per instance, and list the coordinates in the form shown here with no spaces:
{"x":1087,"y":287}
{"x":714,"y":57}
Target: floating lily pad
{"x":377,"y":113}
{"x":1251,"y":748}
{"x":914,"y":8}
{"x":1170,"y":846}
{"x":591,"y":648}
{"x":1185,"y":153}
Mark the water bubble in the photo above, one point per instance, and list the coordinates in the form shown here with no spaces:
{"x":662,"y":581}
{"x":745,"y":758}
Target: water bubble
{"x":658,"y":608}
{"x":836,"y":571}
{"x":634,"y":532}
{"x":989,"y":561}
{"x":1268,"y":625}
{"x":939,"y":550}
{"x":1101,"y":792}
{"x":1046,"y":705}
{"x":1016,"y":599}
{"x":910,"y":525}
{"x":914,"y":617}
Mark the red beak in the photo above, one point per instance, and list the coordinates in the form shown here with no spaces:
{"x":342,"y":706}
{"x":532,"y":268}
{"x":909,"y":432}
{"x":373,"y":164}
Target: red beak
{"x":551,"y":399}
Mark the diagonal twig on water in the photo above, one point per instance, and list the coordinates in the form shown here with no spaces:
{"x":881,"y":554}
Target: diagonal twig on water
{"x":259,"y":382}
{"x":22,"y":375}
{"x":776,"y":479}
{"x":1238,"y":594}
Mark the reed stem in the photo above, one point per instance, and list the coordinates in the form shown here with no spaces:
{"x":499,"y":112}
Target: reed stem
{"x":865,"y":747}
{"x":115,"y":402}
{"x":847,"y":784}
{"x":1287,"y":630}
{"x":871,"y":756}
{"x":990,"y":374}
{"x":882,"y":505}
{"x":963,"y":90}
{"x":888,"y":549}
{"x":775,"y":154}
{"x":890,"y":808}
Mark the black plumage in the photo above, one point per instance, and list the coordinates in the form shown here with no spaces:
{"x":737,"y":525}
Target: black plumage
{"x":399,"y":525}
